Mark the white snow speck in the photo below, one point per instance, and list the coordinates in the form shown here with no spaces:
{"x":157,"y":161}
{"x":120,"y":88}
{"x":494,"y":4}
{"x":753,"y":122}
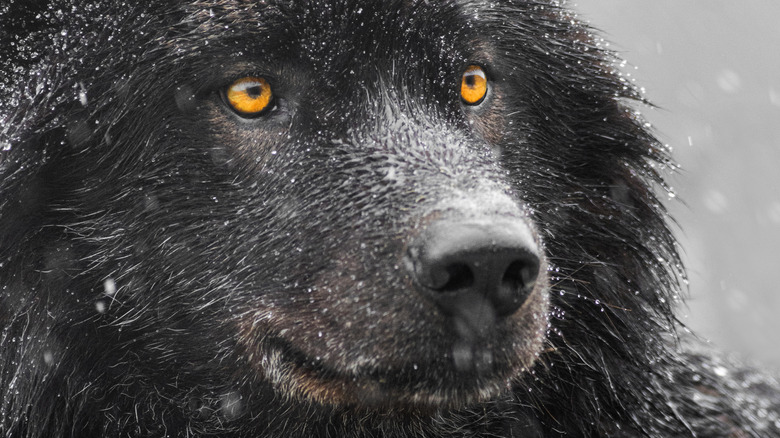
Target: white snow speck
{"x":729,"y":81}
{"x":716,"y":202}
{"x":109,"y":286}
{"x":774,"y":97}
{"x":82,"y":94}
{"x":48,"y":357}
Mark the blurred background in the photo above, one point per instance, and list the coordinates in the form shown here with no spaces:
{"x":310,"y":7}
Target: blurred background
{"x":713,"y":69}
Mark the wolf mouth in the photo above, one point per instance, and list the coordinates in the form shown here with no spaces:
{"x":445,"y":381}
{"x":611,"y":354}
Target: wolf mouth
{"x":291,"y":371}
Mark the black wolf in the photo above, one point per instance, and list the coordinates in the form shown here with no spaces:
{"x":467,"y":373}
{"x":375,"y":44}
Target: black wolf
{"x":338,"y":218}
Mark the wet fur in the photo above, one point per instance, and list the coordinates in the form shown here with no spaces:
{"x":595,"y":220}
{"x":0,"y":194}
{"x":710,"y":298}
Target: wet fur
{"x":170,"y":270}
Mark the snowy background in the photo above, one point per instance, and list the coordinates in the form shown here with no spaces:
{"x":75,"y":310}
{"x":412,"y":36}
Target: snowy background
{"x":713,"y":69}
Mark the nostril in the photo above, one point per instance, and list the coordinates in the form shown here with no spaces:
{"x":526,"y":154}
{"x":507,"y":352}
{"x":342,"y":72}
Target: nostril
{"x":517,"y":283}
{"x":520,"y":274}
{"x":460,"y":277}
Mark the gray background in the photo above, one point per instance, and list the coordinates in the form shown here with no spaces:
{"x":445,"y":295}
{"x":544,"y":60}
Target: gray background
{"x":713,"y":68}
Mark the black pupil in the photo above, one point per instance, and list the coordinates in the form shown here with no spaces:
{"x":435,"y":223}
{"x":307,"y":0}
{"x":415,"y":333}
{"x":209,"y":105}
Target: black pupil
{"x":254,"y":92}
{"x":471,"y":81}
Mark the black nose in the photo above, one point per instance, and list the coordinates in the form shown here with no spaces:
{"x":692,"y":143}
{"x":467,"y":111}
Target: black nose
{"x":461,"y":263}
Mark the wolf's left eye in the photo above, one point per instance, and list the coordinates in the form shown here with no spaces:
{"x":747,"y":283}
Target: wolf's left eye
{"x":473,"y":85}
{"x":249,"y":96}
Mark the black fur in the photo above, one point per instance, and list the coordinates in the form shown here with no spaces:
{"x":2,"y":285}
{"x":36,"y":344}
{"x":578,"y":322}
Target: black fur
{"x":169,"y":269}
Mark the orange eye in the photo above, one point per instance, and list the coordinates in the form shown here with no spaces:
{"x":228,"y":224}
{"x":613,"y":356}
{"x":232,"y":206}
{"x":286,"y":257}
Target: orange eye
{"x":249,"y":96}
{"x":473,"y":85}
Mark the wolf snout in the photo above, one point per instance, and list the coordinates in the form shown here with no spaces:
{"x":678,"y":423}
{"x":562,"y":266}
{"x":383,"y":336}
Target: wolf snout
{"x":465,"y":265}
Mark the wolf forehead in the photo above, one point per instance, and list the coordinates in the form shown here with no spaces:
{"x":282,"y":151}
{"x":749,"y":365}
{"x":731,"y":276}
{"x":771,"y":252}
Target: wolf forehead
{"x":336,"y":36}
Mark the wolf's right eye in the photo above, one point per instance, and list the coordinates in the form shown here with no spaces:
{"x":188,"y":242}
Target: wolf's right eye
{"x":249,"y":96}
